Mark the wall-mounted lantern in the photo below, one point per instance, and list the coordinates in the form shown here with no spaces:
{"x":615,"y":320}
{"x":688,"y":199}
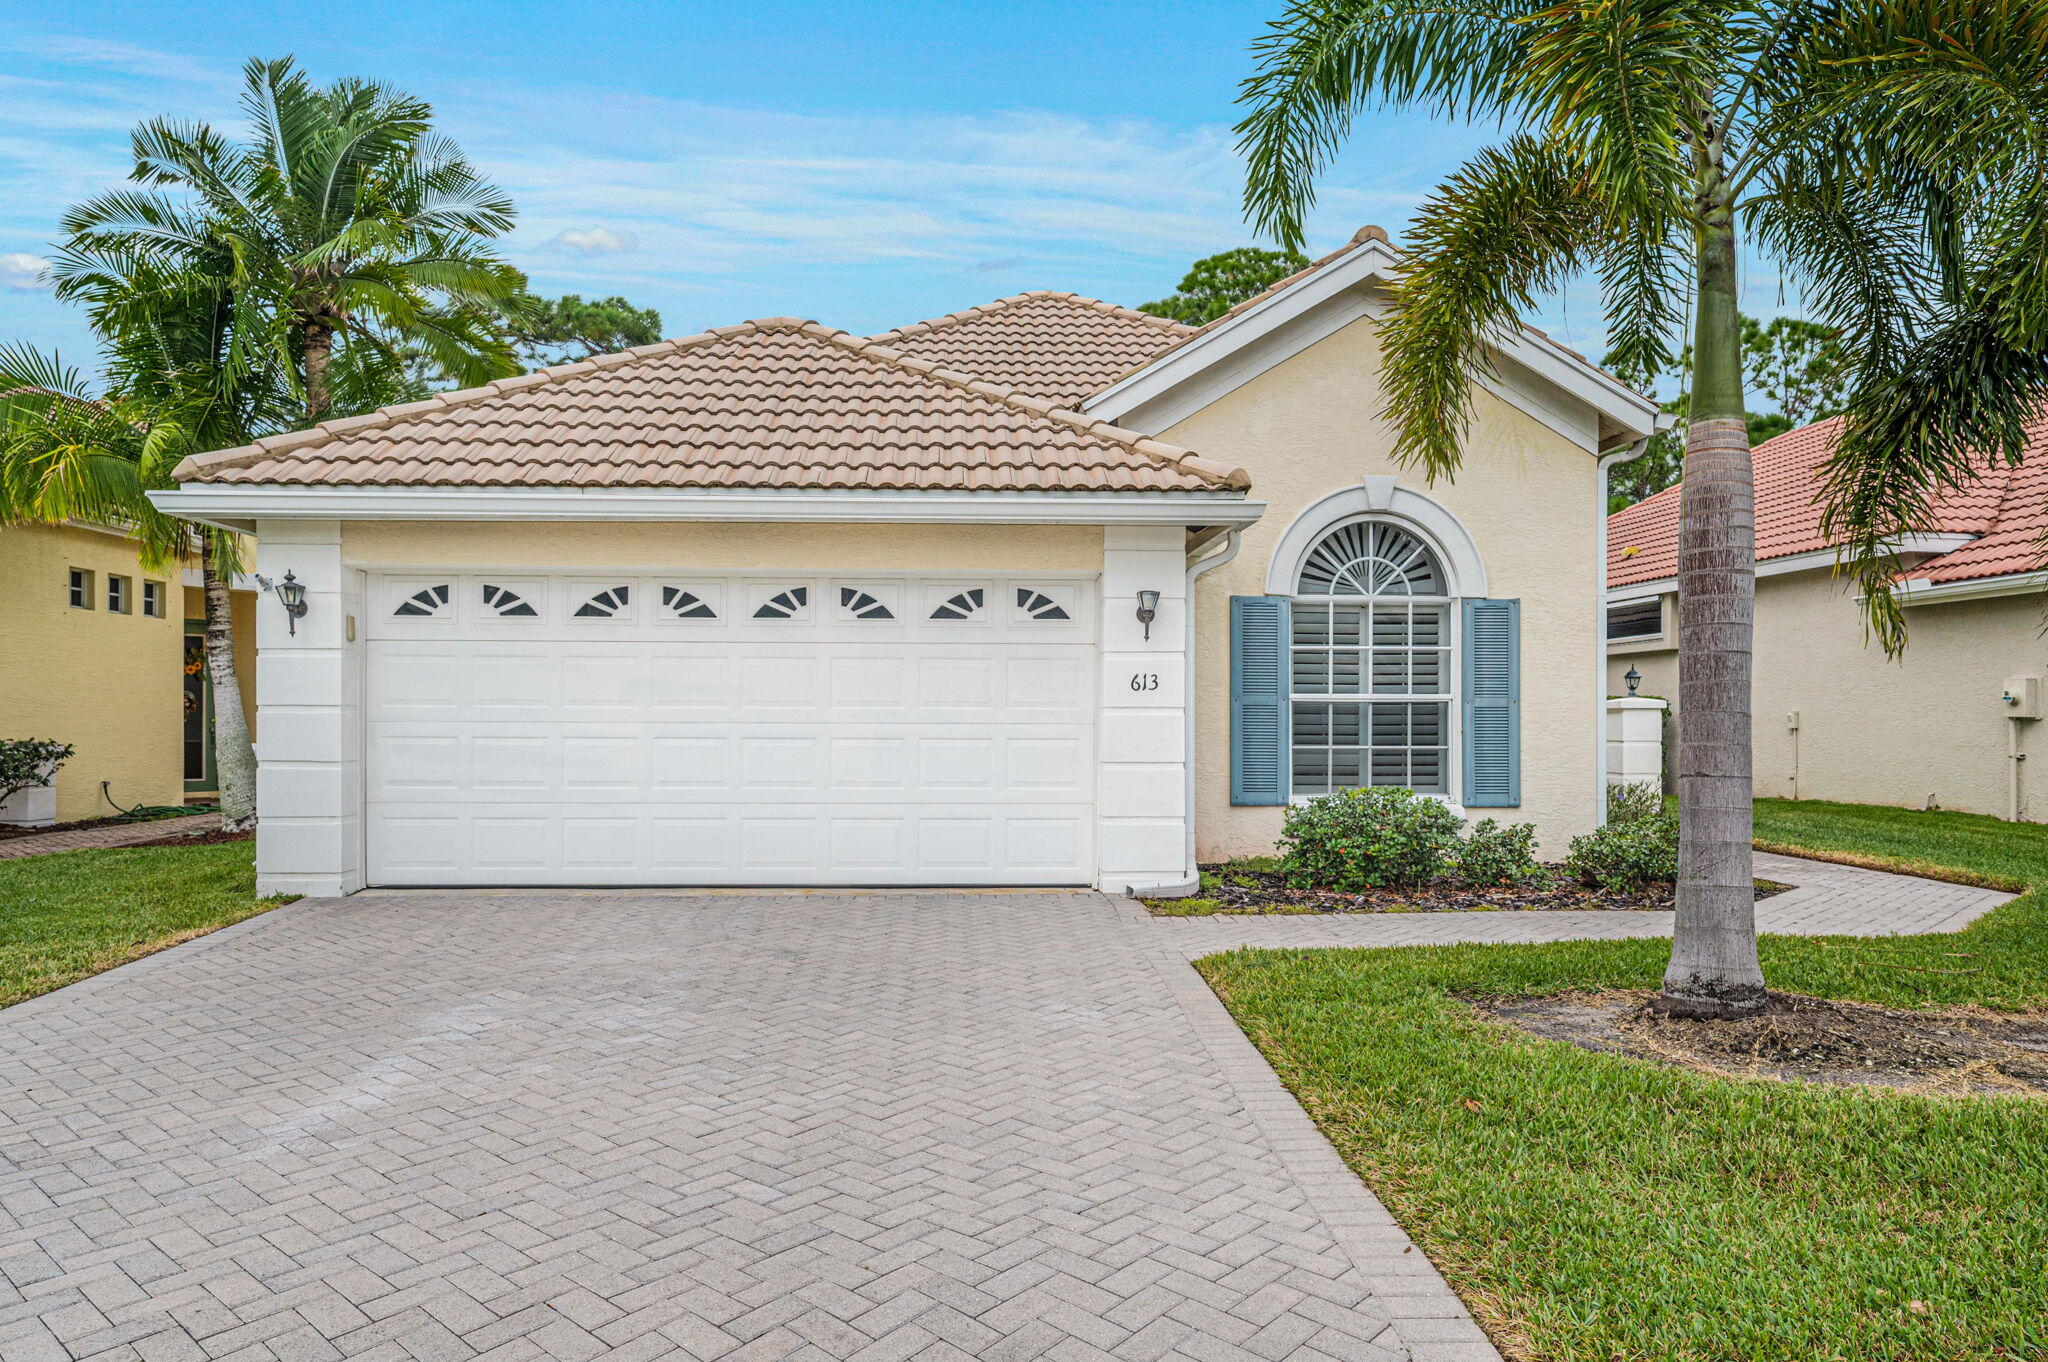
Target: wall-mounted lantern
{"x":1148,"y":610}
{"x":291,"y":594}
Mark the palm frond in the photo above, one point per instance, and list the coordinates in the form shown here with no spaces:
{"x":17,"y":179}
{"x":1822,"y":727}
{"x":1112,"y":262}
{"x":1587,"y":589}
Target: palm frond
{"x":1515,"y":221}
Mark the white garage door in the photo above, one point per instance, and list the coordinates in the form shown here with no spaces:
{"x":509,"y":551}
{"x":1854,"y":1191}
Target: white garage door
{"x":764,"y":729}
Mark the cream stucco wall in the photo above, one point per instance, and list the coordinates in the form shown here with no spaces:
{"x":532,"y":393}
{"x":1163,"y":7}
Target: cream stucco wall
{"x":1310,"y":426}
{"x":106,"y":682}
{"x":809,"y":547}
{"x":1930,"y":727}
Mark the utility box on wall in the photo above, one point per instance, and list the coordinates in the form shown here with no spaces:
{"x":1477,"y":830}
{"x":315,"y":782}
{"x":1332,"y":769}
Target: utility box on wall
{"x":2023,"y":697}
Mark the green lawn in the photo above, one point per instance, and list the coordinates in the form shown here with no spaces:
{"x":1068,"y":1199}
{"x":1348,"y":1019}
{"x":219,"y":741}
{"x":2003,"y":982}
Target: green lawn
{"x":1593,"y":1207}
{"x":66,"y":916}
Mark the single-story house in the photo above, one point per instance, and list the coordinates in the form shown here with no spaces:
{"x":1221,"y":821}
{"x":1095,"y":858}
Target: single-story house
{"x":1042,"y":592}
{"x":1951,"y":724}
{"x":108,"y":657}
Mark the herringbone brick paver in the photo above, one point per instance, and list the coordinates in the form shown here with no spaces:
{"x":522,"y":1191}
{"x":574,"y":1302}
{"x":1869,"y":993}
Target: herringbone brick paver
{"x":750,"y":1128}
{"x":558,"y":1127}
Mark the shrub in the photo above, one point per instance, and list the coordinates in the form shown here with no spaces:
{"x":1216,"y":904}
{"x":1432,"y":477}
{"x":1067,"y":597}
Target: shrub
{"x":29,"y":764}
{"x":1638,"y":846}
{"x":1374,"y":838}
{"x":1495,"y":854}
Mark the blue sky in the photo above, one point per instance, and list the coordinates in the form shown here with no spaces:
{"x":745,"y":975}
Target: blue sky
{"x":864,"y":164}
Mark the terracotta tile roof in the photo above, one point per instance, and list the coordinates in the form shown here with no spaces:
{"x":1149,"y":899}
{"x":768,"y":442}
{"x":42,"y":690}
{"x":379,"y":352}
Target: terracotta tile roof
{"x":1057,"y":347}
{"x":777,"y":403}
{"x":2007,"y":508}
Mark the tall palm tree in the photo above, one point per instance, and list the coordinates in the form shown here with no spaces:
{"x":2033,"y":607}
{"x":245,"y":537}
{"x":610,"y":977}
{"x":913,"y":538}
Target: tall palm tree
{"x":67,"y":453}
{"x":1890,"y":157}
{"x":343,"y":221}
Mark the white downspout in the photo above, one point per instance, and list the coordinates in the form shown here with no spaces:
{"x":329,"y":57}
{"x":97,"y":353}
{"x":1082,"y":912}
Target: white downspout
{"x":1622,"y":455}
{"x":1232,"y":542}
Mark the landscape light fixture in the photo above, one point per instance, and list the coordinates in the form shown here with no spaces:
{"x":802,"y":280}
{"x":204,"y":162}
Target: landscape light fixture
{"x":1632,"y":678}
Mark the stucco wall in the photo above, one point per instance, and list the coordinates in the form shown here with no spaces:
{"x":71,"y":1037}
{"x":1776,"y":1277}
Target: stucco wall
{"x":1930,"y":727}
{"x":809,"y":547}
{"x":106,"y":682}
{"x":1311,"y":425}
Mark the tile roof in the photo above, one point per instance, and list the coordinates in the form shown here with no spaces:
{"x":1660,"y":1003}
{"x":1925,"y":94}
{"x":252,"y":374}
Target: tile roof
{"x":2006,"y":508}
{"x":776,"y":403}
{"x":1058,"y":347}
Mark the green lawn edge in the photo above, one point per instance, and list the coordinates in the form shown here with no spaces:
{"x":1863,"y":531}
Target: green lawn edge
{"x":69,"y":915}
{"x":1593,"y":1207}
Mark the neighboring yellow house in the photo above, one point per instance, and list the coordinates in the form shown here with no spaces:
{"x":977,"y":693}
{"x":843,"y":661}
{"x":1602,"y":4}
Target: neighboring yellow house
{"x":106,"y":656}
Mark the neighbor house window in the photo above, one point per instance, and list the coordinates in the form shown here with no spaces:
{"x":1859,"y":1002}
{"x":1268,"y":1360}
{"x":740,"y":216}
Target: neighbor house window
{"x":153,"y":599}
{"x":118,"y":599}
{"x":81,"y":589}
{"x":1370,"y":663}
{"x":1635,"y":619}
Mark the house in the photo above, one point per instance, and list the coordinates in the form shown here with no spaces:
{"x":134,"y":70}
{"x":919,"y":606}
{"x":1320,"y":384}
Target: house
{"x":109,"y":657}
{"x":1042,"y":592}
{"x":1833,"y":717}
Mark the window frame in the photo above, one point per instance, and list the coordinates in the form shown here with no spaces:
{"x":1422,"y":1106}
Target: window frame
{"x":154,"y":599}
{"x":81,"y":589}
{"x":1450,"y":662}
{"x":1607,"y":623}
{"x":120,"y":594}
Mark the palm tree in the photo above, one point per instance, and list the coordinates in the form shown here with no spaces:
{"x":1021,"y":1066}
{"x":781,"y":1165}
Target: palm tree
{"x":344,"y":222}
{"x":1890,"y":156}
{"x":68,"y":454}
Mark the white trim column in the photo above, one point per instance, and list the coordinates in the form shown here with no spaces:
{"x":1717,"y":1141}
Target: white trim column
{"x":309,"y":837}
{"x":1141,"y":731}
{"x":1635,"y":742}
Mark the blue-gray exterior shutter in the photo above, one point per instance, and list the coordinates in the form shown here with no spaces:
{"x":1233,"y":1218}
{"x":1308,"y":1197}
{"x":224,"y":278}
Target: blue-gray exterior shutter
{"x":1493,"y":704}
{"x":1258,"y":699}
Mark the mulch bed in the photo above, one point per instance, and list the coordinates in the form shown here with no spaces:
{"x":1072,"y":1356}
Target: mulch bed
{"x":1265,"y":891}
{"x":12,"y":830}
{"x":1961,"y":1053}
{"x":193,"y":839}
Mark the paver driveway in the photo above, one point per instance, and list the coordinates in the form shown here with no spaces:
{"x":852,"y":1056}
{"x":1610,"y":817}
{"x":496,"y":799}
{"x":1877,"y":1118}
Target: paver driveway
{"x":559,"y":1126}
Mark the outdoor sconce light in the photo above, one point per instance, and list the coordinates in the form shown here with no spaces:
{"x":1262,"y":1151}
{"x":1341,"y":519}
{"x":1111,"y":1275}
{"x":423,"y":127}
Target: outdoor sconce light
{"x":291,"y":594}
{"x":1632,"y":678}
{"x":1148,"y":610}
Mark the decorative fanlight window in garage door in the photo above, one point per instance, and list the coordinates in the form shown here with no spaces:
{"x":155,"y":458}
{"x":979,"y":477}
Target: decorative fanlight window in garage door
{"x":860,"y":604}
{"x":1037,"y":605}
{"x":961,"y":605}
{"x":792,"y":603}
{"x":685,"y":604}
{"x":426,"y":602}
{"x":611,"y":603}
{"x":504,"y":602}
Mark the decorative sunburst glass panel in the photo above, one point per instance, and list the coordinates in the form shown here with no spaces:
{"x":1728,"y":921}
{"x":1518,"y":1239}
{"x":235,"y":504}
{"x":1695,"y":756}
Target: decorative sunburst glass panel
{"x":1039,"y":606}
{"x":606,"y":604}
{"x":686,"y":605}
{"x":863,"y":605}
{"x":503,"y":601}
{"x":785,"y":604}
{"x":427,"y":602}
{"x":1370,"y":558}
{"x":961,"y":605}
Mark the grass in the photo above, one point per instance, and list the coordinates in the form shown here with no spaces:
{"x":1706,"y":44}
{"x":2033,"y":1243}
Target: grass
{"x":1595,"y":1207}
{"x":66,"y":916}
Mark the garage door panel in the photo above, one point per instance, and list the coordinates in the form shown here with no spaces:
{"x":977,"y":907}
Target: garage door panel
{"x":636,"y":747}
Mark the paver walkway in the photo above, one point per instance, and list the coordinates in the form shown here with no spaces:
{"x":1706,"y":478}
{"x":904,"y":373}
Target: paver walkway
{"x":750,"y":1127}
{"x":108,"y":835}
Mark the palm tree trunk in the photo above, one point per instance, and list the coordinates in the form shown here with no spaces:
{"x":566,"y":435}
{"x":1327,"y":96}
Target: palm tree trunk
{"x":1714,"y":970}
{"x":234,"y":758}
{"x":319,"y":351}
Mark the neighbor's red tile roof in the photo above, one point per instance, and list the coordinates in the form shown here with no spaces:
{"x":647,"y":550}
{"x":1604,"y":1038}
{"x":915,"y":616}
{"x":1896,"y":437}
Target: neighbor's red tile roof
{"x":777,"y":403}
{"x":2007,"y":508}
{"x":1058,"y":347}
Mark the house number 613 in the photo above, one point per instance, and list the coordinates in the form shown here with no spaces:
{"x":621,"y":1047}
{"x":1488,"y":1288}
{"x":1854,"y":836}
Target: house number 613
{"x":1145,"y":681}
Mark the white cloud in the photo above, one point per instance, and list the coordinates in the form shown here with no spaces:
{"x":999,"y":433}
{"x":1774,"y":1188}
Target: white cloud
{"x":124,"y":58}
{"x":594,"y":241}
{"x":21,"y":272}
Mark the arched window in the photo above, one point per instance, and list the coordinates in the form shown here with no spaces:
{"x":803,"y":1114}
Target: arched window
{"x":1370,"y":663}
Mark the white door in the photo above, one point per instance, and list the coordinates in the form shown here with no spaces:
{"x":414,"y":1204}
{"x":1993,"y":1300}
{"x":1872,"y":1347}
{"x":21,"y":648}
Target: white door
{"x":771,"y":728}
